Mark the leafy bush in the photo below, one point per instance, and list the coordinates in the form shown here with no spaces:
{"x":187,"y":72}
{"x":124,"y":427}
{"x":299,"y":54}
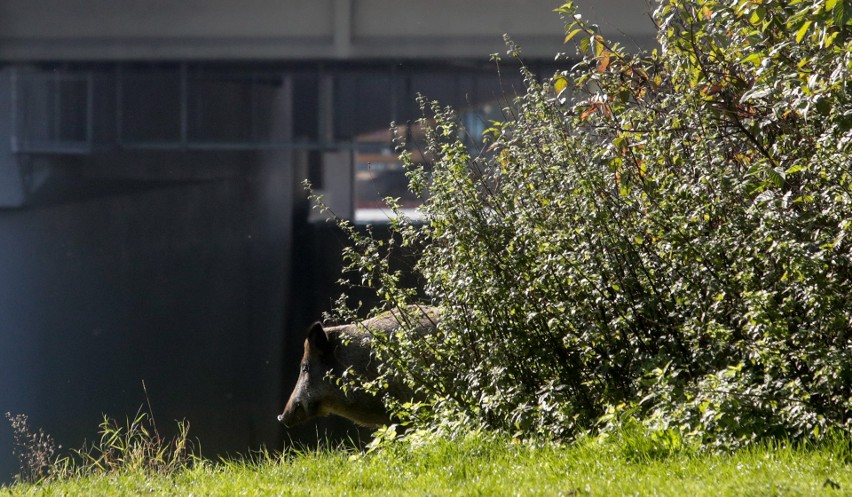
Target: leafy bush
{"x":660,"y":236}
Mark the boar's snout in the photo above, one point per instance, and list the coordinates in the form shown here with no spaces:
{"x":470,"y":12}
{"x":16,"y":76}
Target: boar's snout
{"x":293,"y":414}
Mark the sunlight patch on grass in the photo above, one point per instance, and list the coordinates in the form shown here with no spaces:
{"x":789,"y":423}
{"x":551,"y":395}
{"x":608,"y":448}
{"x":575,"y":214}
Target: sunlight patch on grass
{"x":482,"y":465}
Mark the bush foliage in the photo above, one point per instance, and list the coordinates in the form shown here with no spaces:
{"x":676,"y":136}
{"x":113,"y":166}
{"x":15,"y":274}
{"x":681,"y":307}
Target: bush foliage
{"x":658,"y":236}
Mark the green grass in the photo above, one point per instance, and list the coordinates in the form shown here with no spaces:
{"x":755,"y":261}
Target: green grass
{"x":487,"y":466}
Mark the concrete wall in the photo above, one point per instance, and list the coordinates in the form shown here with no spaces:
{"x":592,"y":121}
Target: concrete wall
{"x":180,"y":285}
{"x":11,"y":181}
{"x":168,"y":267}
{"x":297,"y":29}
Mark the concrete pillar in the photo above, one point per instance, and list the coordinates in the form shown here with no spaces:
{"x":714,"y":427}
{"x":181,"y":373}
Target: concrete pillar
{"x":11,"y":181}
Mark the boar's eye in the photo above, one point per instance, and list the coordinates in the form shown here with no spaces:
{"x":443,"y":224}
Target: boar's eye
{"x":305,"y":367}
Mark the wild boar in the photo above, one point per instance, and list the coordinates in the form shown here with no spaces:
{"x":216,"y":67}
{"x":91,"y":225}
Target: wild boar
{"x":331,"y":351}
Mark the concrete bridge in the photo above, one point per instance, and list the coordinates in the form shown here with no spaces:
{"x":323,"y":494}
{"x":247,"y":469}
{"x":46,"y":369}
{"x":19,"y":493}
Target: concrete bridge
{"x":51,"y":30}
{"x":152,"y":226}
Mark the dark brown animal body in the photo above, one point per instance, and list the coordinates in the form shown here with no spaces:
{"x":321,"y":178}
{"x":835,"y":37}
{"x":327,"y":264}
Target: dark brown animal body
{"x":329,"y":352}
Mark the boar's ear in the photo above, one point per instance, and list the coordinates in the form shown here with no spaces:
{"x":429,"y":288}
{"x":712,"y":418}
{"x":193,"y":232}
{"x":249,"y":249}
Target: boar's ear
{"x":317,"y":339}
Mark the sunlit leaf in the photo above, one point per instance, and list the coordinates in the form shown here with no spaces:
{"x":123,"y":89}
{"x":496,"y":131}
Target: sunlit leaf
{"x":560,"y":83}
{"x":600,"y":45}
{"x":829,"y":39}
{"x":603,"y":61}
{"x":572,"y":34}
{"x":754,"y":58}
{"x":796,"y":168}
{"x":803,"y":30}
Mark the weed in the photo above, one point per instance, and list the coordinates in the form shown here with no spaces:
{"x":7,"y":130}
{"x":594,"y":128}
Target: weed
{"x":136,"y":446}
{"x":133,"y":447}
{"x":35,"y":450}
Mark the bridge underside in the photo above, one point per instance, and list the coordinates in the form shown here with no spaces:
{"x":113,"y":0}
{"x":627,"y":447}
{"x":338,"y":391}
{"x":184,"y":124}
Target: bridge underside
{"x":152,"y":222}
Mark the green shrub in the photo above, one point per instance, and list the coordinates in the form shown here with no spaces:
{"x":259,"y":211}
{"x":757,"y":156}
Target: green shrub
{"x":662,"y":233}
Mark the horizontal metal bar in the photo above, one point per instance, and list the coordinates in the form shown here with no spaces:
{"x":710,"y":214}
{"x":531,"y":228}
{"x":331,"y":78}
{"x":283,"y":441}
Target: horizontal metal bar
{"x":55,"y":148}
{"x":84,"y":148}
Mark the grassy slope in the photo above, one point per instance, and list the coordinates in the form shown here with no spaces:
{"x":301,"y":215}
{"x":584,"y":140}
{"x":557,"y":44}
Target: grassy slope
{"x":477,"y":467}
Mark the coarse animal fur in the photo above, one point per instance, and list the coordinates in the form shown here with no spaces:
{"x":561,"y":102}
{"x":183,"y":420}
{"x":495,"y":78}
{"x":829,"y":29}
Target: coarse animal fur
{"x":331,"y":351}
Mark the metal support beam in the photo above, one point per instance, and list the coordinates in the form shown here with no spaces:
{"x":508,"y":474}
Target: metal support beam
{"x":13,"y":116}
{"x":184,"y":105}
{"x":325,"y":107}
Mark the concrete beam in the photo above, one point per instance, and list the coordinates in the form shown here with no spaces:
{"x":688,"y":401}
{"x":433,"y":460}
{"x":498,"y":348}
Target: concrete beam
{"x":57,"y":30}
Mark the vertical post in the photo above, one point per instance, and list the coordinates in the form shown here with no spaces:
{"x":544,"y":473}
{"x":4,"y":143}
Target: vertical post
{"x":90,"y":111}
{"x":394,"y":94}
{"x":326,"y":108}
{"x":119,"y":106}
{"x":253,"y":89}
{"x":184,"y":104}
{"x":271,"y":260}
{"x":13,"y":115}
{"x":287,"y":111}
{"x":56,"y":119}
{"x":339,"y":179}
